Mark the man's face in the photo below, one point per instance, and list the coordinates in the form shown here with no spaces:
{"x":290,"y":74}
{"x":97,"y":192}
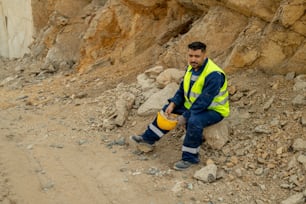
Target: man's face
{"x":196,"y":58}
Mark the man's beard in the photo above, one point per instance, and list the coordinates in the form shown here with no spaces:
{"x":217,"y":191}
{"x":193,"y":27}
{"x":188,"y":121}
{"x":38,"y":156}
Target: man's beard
{"x":194,"y":65}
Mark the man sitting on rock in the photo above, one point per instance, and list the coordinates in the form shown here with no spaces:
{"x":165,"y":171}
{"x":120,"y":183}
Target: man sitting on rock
{"x":201,"y":101}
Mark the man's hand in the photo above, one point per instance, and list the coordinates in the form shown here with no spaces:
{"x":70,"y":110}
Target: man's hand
{"x":181,"y":122}
{"x":170,"y":108}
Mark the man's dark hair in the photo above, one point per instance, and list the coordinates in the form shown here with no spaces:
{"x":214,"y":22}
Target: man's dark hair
{"x":197,"y":46}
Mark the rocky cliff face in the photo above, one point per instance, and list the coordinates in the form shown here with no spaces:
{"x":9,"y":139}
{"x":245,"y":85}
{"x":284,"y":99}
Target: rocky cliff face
{"x":16,"y":27}
{"x":86,"y":35}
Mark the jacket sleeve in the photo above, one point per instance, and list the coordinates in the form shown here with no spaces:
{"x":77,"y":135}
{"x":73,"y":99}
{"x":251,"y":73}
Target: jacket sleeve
{"x":178,"y":98}
{"x":211,"y":88}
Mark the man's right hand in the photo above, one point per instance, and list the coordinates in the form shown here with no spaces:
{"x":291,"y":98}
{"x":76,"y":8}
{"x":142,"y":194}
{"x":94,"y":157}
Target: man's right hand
{"x":170,"y":108}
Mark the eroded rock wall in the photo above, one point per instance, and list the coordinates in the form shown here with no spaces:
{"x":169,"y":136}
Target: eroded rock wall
{"x":85,"y":35}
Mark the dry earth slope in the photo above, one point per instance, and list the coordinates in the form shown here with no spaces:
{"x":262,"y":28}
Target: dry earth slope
{"x":58,"y":144}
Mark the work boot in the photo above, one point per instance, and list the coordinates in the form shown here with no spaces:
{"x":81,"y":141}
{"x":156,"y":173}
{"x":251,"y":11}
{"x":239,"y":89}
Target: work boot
{"x":137,"y":139}
{"x":182,"y":165}
{"x":141,"y":145}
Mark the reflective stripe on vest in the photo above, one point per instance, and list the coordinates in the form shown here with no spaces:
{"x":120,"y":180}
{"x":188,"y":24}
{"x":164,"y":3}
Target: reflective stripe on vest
{"x":220,"y":102}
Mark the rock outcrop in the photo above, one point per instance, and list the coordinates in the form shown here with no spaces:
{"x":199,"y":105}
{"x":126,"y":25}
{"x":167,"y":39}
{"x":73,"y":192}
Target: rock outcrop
{"x":86,"y":35}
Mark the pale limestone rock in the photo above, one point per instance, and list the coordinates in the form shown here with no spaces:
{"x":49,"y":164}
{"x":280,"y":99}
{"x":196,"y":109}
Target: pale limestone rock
{"x":16,"y":27}
{"x":207,"y":174}
{"x":300,"y":78}
{"x":217,"y":135}
{"x":238,"y":116}
{"x":157,"y":100}
{"x":300,"y":83}
{"x":268,"y":104}
{"x":145,"y":82}
{"x":302,"y":160}
{"x":299,"y":100}
{"x":299,"y":86}
{"x":123,"y":107}
{"x":290,"y":76}
{"x":153,"y":72}
{"x":292,"y":163}
{"x":299,"y":144}
{"x":297,"y":198}
{"x":7,"y":80}
{"x":168,"y":76}
{"x":178,"y":186}
{"x":148,"y":93}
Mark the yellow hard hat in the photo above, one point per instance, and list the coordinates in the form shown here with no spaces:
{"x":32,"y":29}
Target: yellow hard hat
{"x":164,"y":122}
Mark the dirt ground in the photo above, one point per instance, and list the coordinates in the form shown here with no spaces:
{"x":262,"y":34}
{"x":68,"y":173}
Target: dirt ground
{"x":54,"y":150}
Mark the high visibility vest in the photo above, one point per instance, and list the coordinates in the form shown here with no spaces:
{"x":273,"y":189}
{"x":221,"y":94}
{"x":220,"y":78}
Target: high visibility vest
{"x":220,"y":103}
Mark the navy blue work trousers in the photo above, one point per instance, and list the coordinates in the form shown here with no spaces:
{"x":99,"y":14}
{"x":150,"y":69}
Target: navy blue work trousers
{"x":194,"y":131}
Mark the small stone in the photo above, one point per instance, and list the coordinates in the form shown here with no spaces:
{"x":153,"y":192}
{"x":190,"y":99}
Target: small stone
{"x":262,"y":129}
{"x":29,"y":147}
{"x":234,"y":160}
{"x":261,"y":160}
{"x":207,"y":173}
{"x":285,"y":186}
{"x":292,"y":163}
{"x":271,"y":166}
{"x":232,"y":90}
{"x":238,"y":173}
{"x":143,"y":147}
{"x":47,"y":186}
{"x":302,"y":160}
{"x":299,"y":100}
{"x":279,"y":150}
{"x":120,"y":141}
{"x":59,"y":146}
{"x":294,"y":179}
{"x":220,"y":174}
{"x":190,"y":186}
{"x":259,"y":171}
{"x":299,"y":145}
{"x":268,"y":104}
{"x":230,"y":164}
{"x":209,"y":161}
{"x":82,"y":141}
